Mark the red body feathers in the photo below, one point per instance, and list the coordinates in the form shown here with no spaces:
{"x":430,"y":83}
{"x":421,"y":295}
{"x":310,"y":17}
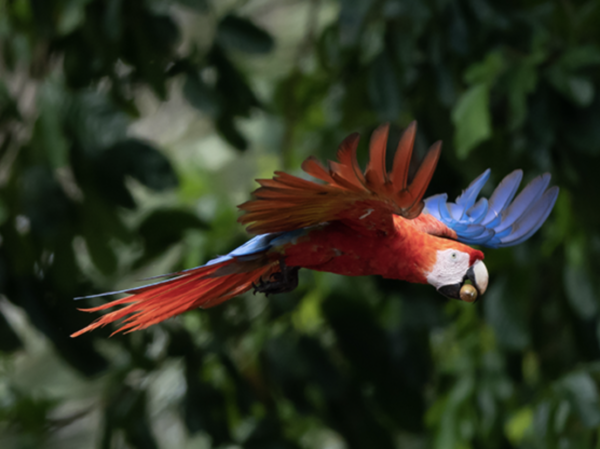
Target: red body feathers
{"x":355,"y":224}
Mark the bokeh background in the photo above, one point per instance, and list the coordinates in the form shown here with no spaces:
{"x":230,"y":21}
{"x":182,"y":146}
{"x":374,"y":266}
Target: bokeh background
{"x":129,"y":131}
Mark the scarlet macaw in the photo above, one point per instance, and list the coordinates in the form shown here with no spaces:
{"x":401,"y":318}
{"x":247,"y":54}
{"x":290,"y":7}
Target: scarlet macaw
{"x":354,"y":224}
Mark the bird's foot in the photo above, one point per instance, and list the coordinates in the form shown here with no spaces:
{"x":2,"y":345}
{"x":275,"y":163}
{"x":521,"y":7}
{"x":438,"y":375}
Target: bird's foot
{"x":283,"y":281}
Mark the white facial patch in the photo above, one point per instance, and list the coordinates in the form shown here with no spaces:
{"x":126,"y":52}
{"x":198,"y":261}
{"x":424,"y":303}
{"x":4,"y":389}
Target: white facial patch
{"x":450,"y":268}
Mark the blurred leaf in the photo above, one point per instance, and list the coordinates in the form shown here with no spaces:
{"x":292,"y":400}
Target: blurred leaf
{"x":580,"y":128}
{"x":541,"y":419}
{"x":579,"y":291}
{"x":457,"y":28}
{"x":4,"y":213}
{"x":522,"y":82}
{"x":50,"y":126}
{"x":384,"y":92}
{"x":576,"y":88}
{"x":201,"y":96}
{"x":127,"y":410}
{"x":486,"y":71}
{"x":8,"y":108}
{"x":43,"y":202}
{"x":241,"y":34}
{"x":518,"y":425}
{"x":132,"y":158}
{"x":232,"y":86}
{"x":576,"y":58}
{"x":100,"y":250}
{"x":28,"y":412}
{"x":113,"y":20}
{"x":562,"y":415}
{"x":229,"y":131}
{"x":506,"y":313}
{"x":149,"y":45}
{"x":198,"y":5}
{"x":205,"y":406}
{"x":9,"y":341}
{"x":583,"y":392}
{"x":95,"y":122}
{"x":472,"y":120}
{"x":165,"y":227}
{"x":577,"y":281}
{"x":351,"y":20}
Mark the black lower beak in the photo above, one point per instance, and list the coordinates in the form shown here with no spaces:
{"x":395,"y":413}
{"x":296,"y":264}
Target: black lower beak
{"x":471,"y":277}
{"x":453,"y":291}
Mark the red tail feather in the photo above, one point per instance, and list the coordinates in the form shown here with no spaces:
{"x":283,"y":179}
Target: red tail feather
{"x":203,"y":287}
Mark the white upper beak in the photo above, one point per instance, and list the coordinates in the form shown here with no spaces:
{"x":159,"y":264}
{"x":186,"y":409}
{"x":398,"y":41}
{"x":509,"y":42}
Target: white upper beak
{"x":481,"y":276}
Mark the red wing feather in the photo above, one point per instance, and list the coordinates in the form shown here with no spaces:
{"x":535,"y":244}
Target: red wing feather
{"x":376,"y":173}
{"x":403,"y":155}
{"x":367,"y":201}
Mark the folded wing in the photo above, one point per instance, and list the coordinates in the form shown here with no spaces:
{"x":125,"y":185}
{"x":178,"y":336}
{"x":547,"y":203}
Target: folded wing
{"x":366,"y":199}
{"x":499,"y":221}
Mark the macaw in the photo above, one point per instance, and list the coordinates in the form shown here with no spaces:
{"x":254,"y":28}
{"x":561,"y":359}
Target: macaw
{"x":355,"y":224}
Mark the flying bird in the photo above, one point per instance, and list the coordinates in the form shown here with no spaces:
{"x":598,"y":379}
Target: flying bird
{"x":353,"y":223}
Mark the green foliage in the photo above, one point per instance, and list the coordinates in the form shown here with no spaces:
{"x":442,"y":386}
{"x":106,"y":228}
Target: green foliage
{"x":122,"y":130}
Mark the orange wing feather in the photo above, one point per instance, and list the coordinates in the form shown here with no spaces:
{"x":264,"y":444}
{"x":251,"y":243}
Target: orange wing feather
{"x":368,"y":201}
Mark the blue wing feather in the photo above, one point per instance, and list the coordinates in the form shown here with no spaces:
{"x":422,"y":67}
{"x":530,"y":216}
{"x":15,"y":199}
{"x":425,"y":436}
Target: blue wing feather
{"x":501,"y":221}
{"x":467,"y":199}
{"x":503,"y":195}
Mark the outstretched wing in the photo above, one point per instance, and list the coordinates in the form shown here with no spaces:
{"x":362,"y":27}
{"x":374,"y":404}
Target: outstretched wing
{"x":499,"y":221}
{"x":368,"y":200}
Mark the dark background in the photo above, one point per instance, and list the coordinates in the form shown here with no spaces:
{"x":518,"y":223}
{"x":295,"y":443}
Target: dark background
{"x":130,"y":129}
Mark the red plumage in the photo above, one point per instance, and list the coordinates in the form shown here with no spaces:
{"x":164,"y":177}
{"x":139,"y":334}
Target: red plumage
{"x":351,"y":223}
{"x":202,"y":287}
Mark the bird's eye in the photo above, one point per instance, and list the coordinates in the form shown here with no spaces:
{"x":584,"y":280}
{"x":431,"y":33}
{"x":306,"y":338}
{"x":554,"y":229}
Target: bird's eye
{"x":453,"y":255}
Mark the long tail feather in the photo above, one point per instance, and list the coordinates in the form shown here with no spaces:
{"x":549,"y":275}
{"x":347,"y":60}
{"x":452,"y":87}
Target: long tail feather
{"x":203,"y":287}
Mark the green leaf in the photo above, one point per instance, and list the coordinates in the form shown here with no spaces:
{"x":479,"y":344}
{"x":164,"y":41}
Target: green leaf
{"x":197,"y":5}
{"x":471,"y":118}
{"x":141,"y":161}
{"x":518,"y":425}
{"x":506,"y":313}
{"x":580,"y":57}
{"x":4,"y":213}
{"x":486,"y":71}
{"x":351,"y":20}
{"x":94,"y":121}
{"x":577,"y":281}
{"x":241,"y":34}
{"x":579,"y":291}
{"x":201,"y":96}
{"x":384,"y":90}
{"x":522,"y":80}
{"x":238,"y":99}
{"x":228,"y":130}
{"x":580,"y":90}
{"x":50,"y":126}
{"x":165,"y":227}
{"x":583,"y":393}
{"x":9,"y":340}
{"x":100,"y":251}
{"x":8,"y":108}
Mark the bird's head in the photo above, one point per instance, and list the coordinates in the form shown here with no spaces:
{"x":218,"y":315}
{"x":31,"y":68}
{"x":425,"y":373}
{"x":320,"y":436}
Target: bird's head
{"x":459,"y":272}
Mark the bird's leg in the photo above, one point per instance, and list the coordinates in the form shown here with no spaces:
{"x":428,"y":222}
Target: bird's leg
{"x":283,"y":281}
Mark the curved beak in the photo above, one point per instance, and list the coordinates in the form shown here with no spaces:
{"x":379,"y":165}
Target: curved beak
{"x":477,"y":274}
